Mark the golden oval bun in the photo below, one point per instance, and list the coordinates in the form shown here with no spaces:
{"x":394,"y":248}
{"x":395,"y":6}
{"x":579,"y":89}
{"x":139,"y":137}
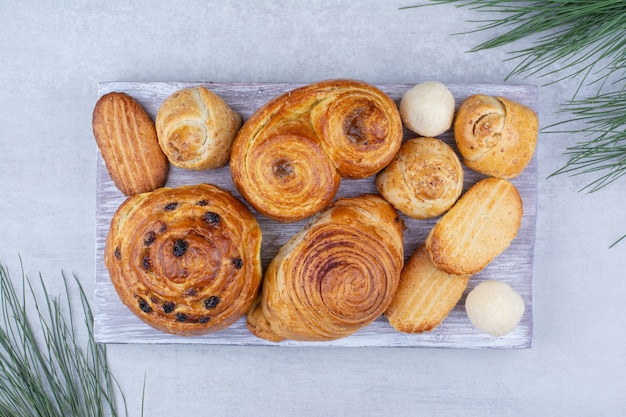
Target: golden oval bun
{"x":196,"y":128}
{"x":425,"y":296}
{"x":479,"y":227}
{"x":423,"y":180}
{"x":496,"y":136}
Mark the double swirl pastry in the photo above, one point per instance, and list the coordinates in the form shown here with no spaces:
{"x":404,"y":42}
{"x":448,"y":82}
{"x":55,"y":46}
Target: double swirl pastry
{"x":424,"y":179}
{"x":335,"y":276}
{"x":496,"y":136}
{"x":288,"y":159}
{"x":185,"y":260}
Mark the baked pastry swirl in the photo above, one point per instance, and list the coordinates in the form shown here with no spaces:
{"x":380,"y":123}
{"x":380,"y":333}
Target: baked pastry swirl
{"x":333,"y":277}
{"x":423,"y":180}
{"x":196,"y":128}
{"x":185,"y":260}
{"x":496,"y":136}
{"x":288,"y":158}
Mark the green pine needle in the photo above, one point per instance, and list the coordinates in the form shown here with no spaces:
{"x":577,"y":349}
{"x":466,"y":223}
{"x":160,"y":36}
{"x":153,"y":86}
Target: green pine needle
{"x":583,"y":40}
{"x":44,"y":369}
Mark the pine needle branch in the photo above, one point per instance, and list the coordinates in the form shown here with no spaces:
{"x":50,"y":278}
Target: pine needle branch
{"x":582,"y":40}
{"x":44,"y":369}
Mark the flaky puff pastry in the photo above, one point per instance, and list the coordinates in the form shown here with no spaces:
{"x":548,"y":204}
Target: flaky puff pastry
{"x":496,"y":136}
{"x":423,"y":180}
{"x":479,"y":227}
{"x":289,"y":157}
{"x":196,"y":128}
{"x":335,"y":276}
{"x":185,"y":260}
{"x":425,"y":296}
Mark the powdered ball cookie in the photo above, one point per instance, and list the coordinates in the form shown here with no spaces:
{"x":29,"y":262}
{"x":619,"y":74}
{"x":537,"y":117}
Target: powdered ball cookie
{"x":494,"y":307}
{"x":428,"y":108}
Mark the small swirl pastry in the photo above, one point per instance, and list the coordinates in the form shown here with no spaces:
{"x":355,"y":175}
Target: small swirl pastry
{"x":335,"y":276}
{"x":196,"y":128}
{"x":496,"y":136}
{"x":479,"y":227}
{"x":425,"y":296}
{"x":127,"y":140}
{"x":288,"y":159}
{"x":423,"y":180}
{"x":185,"y":260}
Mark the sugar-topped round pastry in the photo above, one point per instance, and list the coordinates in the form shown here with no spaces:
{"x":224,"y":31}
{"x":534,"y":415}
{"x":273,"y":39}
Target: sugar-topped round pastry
{"x":423,"y":180}
{"x":185,"y":260}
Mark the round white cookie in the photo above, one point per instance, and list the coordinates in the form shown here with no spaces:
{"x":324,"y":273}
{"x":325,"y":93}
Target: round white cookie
{"x":494,"y":307}
{"x":428,"y":108}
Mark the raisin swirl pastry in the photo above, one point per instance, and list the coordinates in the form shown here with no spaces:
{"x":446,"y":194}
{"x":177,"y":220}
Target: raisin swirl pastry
{"x":288,"y":159}
{"x":185,"y":260}
{"x":496,"y":136}
{"x":333,"y":277}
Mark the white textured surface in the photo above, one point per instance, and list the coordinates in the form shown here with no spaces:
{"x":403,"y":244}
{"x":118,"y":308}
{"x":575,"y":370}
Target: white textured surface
{"x":55,"y":55}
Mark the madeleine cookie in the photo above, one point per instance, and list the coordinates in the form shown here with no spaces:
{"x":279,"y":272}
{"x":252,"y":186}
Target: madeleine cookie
{"x":479,"y":227}
{"x":127,"y":140}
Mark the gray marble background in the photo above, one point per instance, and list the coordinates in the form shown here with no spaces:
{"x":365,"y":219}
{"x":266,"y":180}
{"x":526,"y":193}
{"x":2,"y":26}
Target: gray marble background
{"x":54,"y":54}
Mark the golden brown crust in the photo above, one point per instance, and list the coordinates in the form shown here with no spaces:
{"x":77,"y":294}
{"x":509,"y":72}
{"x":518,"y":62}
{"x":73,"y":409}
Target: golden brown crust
{"x":196,"y":128}
{"x":185,"y":260}
{"x":423,"y":180}
{"x":259,"y":325}
{"x":127,"y":140}
{"x":425,"y":296}
{"x":479,"y":227}
{"x":336,"y":275}
{"x":496,"y":136}
{"x":288,"y":158}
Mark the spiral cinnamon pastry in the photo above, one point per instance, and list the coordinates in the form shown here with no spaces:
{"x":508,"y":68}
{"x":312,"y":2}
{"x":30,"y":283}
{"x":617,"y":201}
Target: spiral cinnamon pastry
{"x":496,"y":136}
{"x":288,"y":159}
{"x":185,"y":260}
{"x":424,"y":179}
{"x":333,"y":277}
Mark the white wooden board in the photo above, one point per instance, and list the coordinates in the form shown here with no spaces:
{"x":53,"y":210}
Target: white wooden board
{"x":114,"y":323}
